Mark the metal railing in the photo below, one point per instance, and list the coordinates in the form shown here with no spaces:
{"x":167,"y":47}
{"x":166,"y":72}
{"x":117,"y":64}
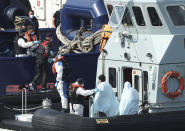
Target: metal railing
{"x":91,"y":100}
{"x":24,"y":100}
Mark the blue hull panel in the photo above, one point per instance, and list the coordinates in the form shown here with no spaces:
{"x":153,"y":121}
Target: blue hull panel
{"x":17,"y":71}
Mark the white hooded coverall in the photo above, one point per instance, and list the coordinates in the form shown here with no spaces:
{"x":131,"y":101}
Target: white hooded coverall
{"x":61,"y":85}
{"x":129,"y":100}
{"x":79,"y":108}
{"x":105,"y":101}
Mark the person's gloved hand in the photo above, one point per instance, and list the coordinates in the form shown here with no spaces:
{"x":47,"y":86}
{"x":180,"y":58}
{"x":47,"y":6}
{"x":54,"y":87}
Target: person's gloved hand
{"x":95,"y":90}
{"x":36,"y":42}
{"x":56,"y":84}
{"x":50,"y":60}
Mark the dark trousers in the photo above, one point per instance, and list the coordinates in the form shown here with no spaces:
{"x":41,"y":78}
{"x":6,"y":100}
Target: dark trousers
{"x":42,"y":70}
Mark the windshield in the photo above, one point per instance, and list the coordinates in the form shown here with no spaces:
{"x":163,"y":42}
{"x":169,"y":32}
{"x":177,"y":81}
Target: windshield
{"x":116,"y":16}
{"x":177,"y":14}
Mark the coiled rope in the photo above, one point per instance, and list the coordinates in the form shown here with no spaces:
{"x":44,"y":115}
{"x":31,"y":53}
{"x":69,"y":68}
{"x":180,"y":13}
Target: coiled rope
{"x":79,"y":44}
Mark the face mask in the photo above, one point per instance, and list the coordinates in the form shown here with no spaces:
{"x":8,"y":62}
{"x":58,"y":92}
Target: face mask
{"x":32,"y":33}
{"x":31,"y":16}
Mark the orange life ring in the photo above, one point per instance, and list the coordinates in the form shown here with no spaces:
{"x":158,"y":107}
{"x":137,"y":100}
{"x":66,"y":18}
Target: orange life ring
{"x":164,"y":86}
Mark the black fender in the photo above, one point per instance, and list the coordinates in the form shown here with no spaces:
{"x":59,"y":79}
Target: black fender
{"x":52,"y":120}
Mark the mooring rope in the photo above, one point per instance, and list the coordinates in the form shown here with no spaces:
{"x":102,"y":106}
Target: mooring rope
{"x":79,"y":44}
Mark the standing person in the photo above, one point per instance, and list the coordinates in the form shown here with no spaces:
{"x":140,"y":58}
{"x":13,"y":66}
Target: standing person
{"x":77,"y":99}
{"x":31,"y":37}
{"x":34,"y":22}
{"x":56,"y":19}
{"x":21,"y":44}
{"x":30,"y":34}
{"x":42,"y":54}
{"x":129,"y":103}
{"x":105,"y":101}
{"x":60,"y":68}
{"x":56,"y":23}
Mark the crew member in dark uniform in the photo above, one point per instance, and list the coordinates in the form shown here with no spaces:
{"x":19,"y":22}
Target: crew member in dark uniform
{"x":77,"y":96}
{"x":20,"y":46}
{"x":34,"y":22}
{"x":56,"y":23}
{"x":42,"y":54}
{"x":56,"y":19}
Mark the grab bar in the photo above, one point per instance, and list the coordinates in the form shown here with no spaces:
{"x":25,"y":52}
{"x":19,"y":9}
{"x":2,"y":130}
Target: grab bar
{"x":24,"y":100}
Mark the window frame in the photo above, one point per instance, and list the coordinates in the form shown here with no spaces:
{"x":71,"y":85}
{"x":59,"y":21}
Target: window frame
{"x":137,"y":82}
{"x":142,"y":14}
{"x":115,"y":26}
{"x":130,"y":14}
{"x":116,"y":79}
{"x":160,"y":16}
{"x":179,"y":4}
{"x":106,"y":5}
{"x":148,"y":84}
{"x":157,"y":14}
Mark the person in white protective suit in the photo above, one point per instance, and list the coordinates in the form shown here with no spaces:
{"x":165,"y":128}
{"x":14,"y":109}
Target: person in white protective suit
{"x":60,"y":70}
{"x":129,"y":100}
{"x":78,"y":94}
{"x":105,"y":101}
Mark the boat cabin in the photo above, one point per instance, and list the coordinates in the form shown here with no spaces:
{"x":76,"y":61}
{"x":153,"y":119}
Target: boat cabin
{"x":147,"y":48}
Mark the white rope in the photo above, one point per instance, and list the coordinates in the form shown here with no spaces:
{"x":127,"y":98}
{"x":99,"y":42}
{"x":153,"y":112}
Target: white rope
{"x":78,"y":45}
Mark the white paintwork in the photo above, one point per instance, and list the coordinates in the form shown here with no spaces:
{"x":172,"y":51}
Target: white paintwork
{"x":165,"y":43}
{"x":44,"y":10}
{"x":24,"y":117}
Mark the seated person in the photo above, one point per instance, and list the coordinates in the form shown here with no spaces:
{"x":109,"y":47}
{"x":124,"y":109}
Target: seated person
{"x":129,"y":100}
{"x":105,"y":100}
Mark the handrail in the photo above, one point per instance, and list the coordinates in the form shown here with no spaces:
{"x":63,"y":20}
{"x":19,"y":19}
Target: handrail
{"x":91,"y":100}
{"x":24,"y":100}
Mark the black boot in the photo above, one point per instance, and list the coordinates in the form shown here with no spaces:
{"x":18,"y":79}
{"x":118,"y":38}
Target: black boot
{"x":43,"y":90}
{"x":32,"y":86}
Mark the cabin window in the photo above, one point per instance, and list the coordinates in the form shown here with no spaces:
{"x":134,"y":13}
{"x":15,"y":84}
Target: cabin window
{"x":154,"y":17}
{"x":127,"y":75}
{"x":145,"y":84}
{"x":136,"y":82}
{"x":126,"y":18}
{"x":116,"y":16}
{"x":177,"y":14}
{"x":109,"y":8}
{"x":138,"y":16}
{"x":112,"y":77}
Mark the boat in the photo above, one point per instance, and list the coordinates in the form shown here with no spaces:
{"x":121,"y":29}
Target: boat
{"x":146,"y":48}
{"x":12,"y":99}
